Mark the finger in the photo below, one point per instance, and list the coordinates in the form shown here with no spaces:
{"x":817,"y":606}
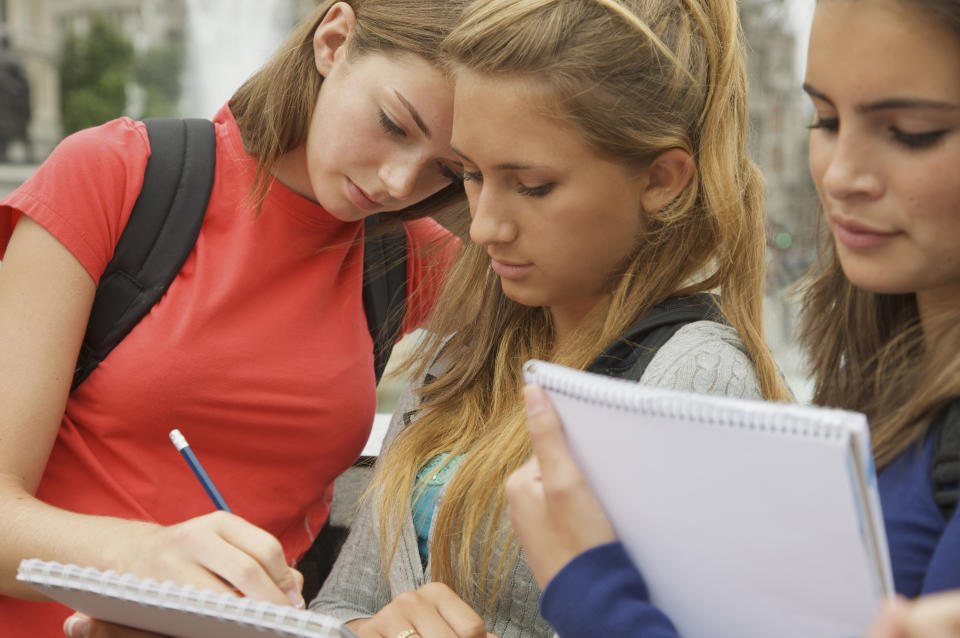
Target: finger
{"x":935,"y":615}
{"x":77,"y":626}
{"x":264,"y":548}
{"x":248,"y":558}
{"x":82,"y":626}
{"x":100,"y":629}
{"x":461,"y":617}
{"x":889,"y":623}
{"x":411,"y":610}
{"x":298,"y":581}
{"x":523,"y":490}
{"x":524,"y":481}
{"x":546,"y":436}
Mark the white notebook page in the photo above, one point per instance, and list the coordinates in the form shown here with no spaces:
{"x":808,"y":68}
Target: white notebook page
{"x":745,"y":518}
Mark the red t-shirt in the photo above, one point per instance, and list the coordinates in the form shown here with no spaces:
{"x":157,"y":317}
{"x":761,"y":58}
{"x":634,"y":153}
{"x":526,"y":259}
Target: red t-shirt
{"x":259,"y":352}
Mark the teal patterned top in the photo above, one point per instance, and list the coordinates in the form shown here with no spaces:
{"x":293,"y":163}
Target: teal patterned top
{"x":430,"y":482}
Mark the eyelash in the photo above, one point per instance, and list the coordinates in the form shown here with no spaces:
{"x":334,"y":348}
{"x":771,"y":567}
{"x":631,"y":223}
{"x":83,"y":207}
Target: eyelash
{"x":829,"y":125}
{"x":535,"y":191}
{"x":390,"y":126}
{"x":917,"y":140}
{"x":453,"y":176}
{"x":528,"y":191}
{"x":908,"y":140}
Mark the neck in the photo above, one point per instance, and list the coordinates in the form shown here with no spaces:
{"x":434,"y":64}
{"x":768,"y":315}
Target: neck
{"x":934,"y":307}
{"x":569,"y":322}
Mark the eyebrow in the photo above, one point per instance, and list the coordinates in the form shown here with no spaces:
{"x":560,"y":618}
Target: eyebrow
{"x":506,"y":166}
{"x":890,"y":103}
{"x":413,"y":113}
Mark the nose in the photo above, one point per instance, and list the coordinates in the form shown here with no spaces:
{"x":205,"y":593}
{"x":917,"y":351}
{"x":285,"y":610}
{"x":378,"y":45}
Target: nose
{"x":851,"y":170}
{"x":491,"y":221}
{"x":399,"y":176}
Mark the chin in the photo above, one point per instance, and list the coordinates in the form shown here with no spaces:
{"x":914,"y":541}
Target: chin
{"x":876,"y":281}
{"x":524,"y":298}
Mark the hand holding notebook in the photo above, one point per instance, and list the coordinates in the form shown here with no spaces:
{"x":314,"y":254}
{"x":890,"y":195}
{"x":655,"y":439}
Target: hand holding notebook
{"x":745,"y":518}
{"x":171,"y":609}
{"x":554,"y":513}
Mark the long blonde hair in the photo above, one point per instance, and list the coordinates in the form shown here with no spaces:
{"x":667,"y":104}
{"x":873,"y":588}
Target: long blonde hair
{"x":635,"y":77}
{"x":867,"y":350}
{"x":274,"y":107}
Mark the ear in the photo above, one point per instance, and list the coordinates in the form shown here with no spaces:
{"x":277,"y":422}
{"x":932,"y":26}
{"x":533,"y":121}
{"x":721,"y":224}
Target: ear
{"x":331,"y":35}
{"x":667,"y":176}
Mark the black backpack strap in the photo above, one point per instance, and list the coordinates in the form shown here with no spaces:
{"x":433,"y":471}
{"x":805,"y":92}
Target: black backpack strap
{"x":160,"y":234}
{"x":628,"y":356}
{"x":945,"y":465}
{"x":384,"y":287}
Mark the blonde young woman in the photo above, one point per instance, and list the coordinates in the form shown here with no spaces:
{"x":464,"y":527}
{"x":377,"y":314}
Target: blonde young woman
{"x":258,"y":351}
{"x":880,"y":323}
{"x":605,"y":162}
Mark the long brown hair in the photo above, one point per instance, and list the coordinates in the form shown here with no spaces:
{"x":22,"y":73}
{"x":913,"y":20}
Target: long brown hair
{"x":867,"y":350}
{"x":635,"y":77}
{"x":274,"y":107}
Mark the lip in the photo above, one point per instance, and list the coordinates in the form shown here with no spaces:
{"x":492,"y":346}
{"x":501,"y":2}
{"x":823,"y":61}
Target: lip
{"x":856,"y":235}
{"x":509,"y":271}
{"x":360,"y":198}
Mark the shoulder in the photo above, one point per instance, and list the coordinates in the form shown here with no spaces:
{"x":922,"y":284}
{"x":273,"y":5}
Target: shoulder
{"x":84,"y":191}
{"x":110,"y":158}
{"x":117,"y":140}
{"x":705,"y":357}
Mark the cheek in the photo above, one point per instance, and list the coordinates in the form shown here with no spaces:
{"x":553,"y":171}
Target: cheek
{"x":818,"y":159}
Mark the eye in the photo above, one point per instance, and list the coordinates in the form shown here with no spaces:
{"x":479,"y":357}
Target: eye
{"x":536,"y":191}
{"x":917,"y":140}
{"x":390,"y":126}
{"x":472,"y":177}
{"x":454,"y":175}
{"x":829,"y":124}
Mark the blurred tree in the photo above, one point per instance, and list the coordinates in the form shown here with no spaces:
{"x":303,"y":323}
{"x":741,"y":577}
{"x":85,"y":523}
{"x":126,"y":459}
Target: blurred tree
{"x":95,"y":70}
{"x":158,"y":73}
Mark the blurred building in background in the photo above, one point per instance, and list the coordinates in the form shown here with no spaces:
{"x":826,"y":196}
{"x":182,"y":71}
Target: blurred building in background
{"x":778,"y":143}
{"x":29,"y":27}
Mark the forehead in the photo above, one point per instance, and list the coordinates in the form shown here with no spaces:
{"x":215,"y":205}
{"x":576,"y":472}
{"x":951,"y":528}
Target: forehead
{"x":510,"y":109}
{"x":885,"y":46}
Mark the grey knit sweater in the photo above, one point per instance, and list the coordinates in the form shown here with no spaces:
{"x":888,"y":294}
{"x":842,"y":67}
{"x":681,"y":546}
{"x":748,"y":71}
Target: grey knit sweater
{"x":703,"y":357}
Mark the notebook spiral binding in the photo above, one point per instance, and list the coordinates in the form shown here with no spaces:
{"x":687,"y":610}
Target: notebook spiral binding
{"x":632,"y":397}
{"x":170,"y":595}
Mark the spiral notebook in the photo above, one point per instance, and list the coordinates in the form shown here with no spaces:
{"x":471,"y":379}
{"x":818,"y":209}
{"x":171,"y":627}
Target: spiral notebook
{"x":171,"y":609}
{"x":745,"y":518}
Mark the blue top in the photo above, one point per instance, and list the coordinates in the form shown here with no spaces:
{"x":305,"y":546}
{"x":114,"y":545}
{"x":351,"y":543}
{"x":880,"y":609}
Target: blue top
{"x":601,"y":593}
{"x":430,"y":483}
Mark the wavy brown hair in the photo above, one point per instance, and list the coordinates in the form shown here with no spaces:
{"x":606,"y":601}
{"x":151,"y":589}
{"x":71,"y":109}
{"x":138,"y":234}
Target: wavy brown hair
{"x":635,"y":78}
{"x":273,"y":108}
{"x":867,"y":350}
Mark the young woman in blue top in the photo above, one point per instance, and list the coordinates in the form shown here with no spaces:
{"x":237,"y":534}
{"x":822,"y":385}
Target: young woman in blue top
{"x":880,"y":312}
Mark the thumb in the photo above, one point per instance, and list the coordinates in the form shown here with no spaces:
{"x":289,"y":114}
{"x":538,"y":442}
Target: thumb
{"x":546,"y":435}
{"x":77,"y":626}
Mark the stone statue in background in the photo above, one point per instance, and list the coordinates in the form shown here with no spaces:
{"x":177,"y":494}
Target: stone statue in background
{"x":14,"y":100}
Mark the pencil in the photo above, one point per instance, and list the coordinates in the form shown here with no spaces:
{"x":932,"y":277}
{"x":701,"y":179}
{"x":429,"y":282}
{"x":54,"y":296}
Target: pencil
{"x":181,"y":444}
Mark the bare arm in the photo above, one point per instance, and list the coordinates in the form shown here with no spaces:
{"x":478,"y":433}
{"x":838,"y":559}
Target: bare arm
{"x":45,"y":300}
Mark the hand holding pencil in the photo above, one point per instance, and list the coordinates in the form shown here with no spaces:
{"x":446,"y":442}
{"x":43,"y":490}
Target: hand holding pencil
{"x":217,"y":551}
